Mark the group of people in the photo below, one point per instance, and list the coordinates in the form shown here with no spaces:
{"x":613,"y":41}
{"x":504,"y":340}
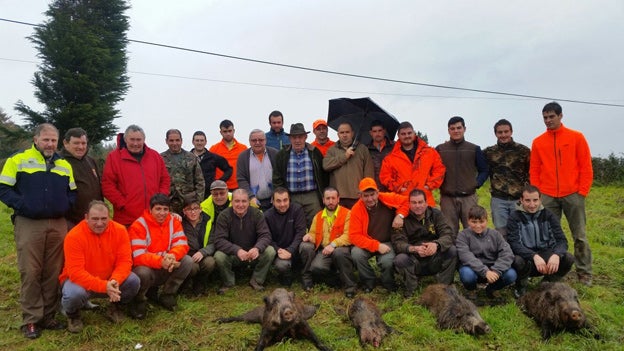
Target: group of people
{"x":322,"y":209}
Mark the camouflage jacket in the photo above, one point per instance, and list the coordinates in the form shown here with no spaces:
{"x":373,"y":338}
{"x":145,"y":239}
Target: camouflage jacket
{"x":186,"y":175}
{"x":509,"y":169}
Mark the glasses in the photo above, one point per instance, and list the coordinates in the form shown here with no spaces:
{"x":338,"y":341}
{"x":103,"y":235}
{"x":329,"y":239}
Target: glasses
{"x":256,"y":140}
{"x":192,"y":209}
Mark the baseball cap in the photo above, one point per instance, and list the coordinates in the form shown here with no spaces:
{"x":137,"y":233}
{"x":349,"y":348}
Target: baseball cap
{"x":319,"y":122}
{"x":367,"y":183}
{"x":218,"y":184}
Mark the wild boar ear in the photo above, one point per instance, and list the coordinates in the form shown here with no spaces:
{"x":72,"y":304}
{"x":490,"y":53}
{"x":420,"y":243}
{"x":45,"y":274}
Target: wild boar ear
{"x":266,"y":300}
{"x":291,"y":294}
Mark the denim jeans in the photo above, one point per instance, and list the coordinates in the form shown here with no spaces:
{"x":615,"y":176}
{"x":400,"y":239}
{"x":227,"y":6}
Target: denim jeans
{"x":469,"y":278}
{"x":75,"y":296}
{"x":501,"y":209}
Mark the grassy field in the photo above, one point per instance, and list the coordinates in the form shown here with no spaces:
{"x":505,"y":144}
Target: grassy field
{"x":192,"y":326}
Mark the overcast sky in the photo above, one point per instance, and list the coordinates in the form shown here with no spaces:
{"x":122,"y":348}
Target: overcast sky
{"x":557,"y":49}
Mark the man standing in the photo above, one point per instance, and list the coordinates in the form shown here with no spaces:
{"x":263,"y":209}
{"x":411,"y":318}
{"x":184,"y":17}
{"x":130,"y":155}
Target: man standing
{"x":187,"y":179}
{"x":329,"y":245}
{"x":86,"y":174}
{"x":466,"y":171}
{"x":242,"y":237}
{"x":425,"y":244}
{"x":561,"y":168}
{"x":299,"y":168}
{"x":322,"y":141}
{"x":159,"y":249}
{"x":508,"y":163}
{"x":133,"y":173}
{"x":209,"y":162}
{"x":379,"y":147}
{"x":348,"y":161}
{"x":537,"y":240}
{"x":229,"y":148}
{"x":39,"y":186}
{"x":372,"y":221}
{"x":287,"y":225}
{"x":276,"y":137}
{"x":254,"y":170}
{"x":98,"y":262}
{"x":412,"y":164}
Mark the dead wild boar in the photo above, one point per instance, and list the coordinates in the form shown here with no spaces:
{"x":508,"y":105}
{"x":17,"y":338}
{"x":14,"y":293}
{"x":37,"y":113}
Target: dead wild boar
{"x":555,"y":307}
{"x":281,"y":316}
{"x":452,"y":310}
{"x":366,"y":319}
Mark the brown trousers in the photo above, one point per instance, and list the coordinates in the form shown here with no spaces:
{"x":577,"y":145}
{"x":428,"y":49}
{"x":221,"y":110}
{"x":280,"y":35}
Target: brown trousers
{"x":39,"y":245}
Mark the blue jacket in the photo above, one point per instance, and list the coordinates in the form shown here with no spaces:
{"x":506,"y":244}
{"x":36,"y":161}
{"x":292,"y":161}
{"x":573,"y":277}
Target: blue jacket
{"x":35,"y":189}
{"x":277,"y":140}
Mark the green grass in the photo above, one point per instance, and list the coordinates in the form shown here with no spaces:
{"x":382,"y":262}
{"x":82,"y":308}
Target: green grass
{"x":192,"y":326}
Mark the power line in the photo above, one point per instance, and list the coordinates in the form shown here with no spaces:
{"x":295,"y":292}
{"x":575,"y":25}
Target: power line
{"x":298,"y":87}
{"x":318,"y":70}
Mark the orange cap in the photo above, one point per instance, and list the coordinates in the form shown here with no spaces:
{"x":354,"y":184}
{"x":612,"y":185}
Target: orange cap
{"x":368,"y":183}
{"x":319,"y":122}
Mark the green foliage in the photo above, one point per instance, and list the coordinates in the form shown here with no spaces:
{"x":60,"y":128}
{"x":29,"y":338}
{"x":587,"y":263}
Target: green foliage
{"x":608,"y":170}
{"x":192,"y":326}
{"x":83,"y":71}
{"x":12,"y":136}
{"x":423,"y":136}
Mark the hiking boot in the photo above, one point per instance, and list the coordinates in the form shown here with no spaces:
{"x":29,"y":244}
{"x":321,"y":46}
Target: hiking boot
{"x":199,"y":287}
{"x":53,"y":324}
{"x":350,"y":293}
{"x":494,"y":296}
{"x":168,"y":301}
{"x":585,"y":279}
{"x":74,"y":322}
{"x":114,"y":313}
{"x":472,"y":295}
{"x":138,"y":309}
{"x":222,"y":290}
{"x":255,"y":285}
{"x":31,"y":331}
{"x":152,"y":294}
{"x":521,"y":286}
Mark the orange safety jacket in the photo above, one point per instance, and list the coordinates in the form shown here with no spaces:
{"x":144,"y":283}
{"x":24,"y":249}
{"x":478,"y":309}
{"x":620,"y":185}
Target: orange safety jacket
{"x":561,"y":163}
{"x":91,"y":259}
{"x":425,"y":173}
{"x":339,"y":233}
{"x":231,"y":155}
{"x":358,"y":228}
{"x":150,"y":241}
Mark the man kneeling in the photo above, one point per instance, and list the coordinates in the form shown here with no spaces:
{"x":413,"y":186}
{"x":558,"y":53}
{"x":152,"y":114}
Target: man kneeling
{"x":159,"y":249}
{"x":98,"y":262}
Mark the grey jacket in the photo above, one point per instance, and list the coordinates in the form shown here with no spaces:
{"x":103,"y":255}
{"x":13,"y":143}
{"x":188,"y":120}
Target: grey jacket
{"x":487,"y":251}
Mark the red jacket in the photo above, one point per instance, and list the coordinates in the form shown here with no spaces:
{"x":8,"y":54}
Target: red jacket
{"x":358,"y":228}
{"x":91,"y":260}
{"x":425,"y":173}
{"x":150,"y":241}
{"x":129,"y":185}
{"x":231,"y":155}
{"x":561,"y":163}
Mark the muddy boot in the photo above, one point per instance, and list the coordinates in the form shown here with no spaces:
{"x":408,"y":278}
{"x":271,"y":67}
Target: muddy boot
{"x":74,"y":322}
{"x":114,"y":312}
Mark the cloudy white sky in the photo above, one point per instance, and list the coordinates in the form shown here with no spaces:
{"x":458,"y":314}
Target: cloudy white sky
{"x":556,"y":49}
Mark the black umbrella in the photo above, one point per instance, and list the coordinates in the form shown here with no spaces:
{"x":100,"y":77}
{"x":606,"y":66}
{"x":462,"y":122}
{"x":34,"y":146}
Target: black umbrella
{"x":360,"y":113}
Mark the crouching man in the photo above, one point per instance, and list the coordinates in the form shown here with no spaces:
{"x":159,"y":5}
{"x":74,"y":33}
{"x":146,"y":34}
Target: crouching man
{"x":242,"y":237}
{"x":98,"y":262}
{"x":159,"y":249}
{"x":537,"y":241}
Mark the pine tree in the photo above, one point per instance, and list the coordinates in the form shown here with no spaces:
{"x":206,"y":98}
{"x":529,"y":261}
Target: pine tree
{"x":82,"y":76}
